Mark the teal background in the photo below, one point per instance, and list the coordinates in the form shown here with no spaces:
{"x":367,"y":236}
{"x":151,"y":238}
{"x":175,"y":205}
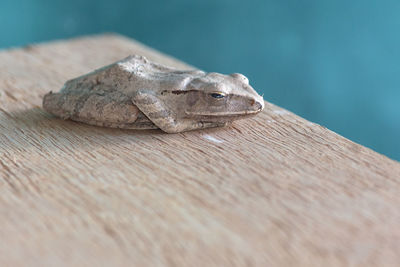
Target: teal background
{"x":333,"y":62}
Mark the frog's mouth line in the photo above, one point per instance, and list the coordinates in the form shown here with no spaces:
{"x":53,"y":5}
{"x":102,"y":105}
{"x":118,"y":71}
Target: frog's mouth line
{"x":226,"y":114}
{"x":222,"y":118}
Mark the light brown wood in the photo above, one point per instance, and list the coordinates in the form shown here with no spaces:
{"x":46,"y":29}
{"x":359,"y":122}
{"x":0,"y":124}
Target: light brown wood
{"x":275,"y":190}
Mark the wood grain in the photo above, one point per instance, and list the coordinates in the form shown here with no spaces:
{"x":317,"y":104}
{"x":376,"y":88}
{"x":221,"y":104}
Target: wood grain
{"x":275,"y":190}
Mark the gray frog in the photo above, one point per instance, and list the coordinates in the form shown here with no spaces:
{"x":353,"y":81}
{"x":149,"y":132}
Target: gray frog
{"x":135,"y":93}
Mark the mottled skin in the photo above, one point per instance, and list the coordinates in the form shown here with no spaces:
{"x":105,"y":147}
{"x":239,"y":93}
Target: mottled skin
{"x":135,"y":93}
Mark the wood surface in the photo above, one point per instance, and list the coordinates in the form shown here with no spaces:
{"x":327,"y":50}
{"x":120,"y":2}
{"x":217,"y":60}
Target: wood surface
{"x":275,"y":190}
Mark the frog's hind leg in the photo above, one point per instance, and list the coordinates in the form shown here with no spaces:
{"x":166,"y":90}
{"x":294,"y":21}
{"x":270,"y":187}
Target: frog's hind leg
{"x":110,"y":110}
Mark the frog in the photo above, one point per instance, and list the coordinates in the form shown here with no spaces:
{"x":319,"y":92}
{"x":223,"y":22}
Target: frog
{"x":136,"y":93}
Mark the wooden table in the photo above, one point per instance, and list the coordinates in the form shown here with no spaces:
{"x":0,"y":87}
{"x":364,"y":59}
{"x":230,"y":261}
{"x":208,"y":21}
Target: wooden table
{"x":275,"y":190}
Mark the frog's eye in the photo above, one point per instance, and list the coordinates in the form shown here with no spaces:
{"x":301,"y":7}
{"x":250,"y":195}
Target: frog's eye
{"x":217,"y":95}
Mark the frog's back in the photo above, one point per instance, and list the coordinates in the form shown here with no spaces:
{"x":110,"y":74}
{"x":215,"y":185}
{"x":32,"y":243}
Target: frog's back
{"x":104,"y":97}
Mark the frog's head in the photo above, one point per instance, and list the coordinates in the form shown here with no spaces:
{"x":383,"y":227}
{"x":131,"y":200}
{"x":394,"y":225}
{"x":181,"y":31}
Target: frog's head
{"x":219,"y":97}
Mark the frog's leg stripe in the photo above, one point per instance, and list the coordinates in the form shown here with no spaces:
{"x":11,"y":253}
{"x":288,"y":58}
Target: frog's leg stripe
{"x":79,"y":104}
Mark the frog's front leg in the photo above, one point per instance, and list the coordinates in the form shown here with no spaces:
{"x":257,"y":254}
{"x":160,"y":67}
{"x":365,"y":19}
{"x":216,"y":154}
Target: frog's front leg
{"x":165,"y":119}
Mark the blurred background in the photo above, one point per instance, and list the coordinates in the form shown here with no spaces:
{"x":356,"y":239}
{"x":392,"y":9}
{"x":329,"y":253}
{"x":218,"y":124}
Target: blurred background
{"x":336,"y":63}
